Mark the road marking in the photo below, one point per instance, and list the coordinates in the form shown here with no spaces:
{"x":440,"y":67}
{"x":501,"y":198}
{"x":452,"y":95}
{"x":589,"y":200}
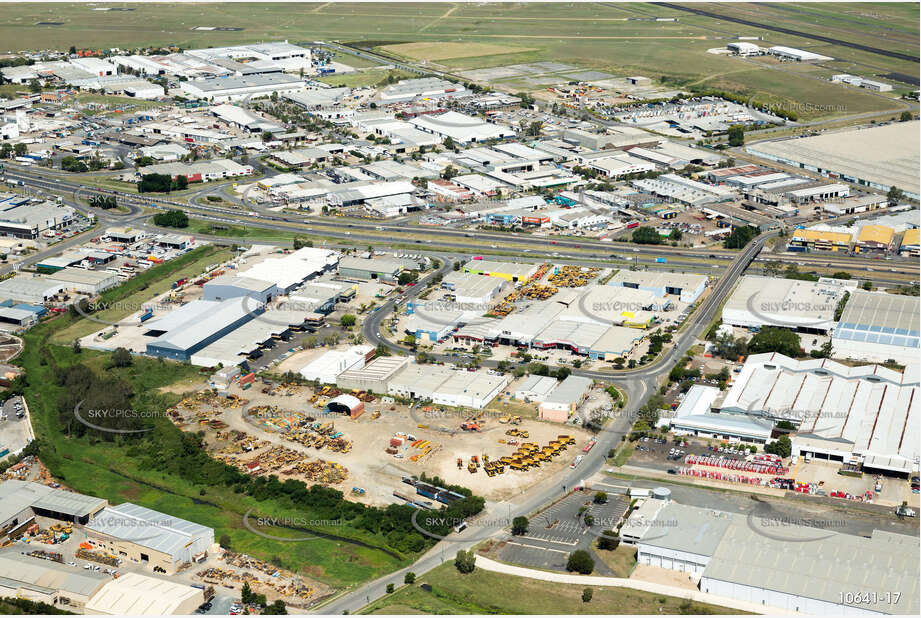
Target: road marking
{"x":559,"y":551}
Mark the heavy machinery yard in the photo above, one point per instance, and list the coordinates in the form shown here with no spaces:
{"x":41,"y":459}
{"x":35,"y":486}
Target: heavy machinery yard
{"x":286,"y":430}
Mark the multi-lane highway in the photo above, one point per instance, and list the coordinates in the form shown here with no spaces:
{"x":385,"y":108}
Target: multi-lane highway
{"x":678,"y":258}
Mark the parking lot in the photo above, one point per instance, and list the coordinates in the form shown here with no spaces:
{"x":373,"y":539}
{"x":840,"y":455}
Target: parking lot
{"x":559,"y":530}
{"x":15,"y":431}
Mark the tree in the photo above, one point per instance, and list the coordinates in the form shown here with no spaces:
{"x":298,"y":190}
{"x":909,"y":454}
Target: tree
{"x":75,"y":346}
{"x":520,"y":525}
{"x":839,"y":308}
{"x":180,"y":183}
{"x":581,"y":562}
{"x":407,"y":277}
{"x":6,"y":150}
{"x":72,"y":50}
{"x":781,"y":446}
{"x":301,"y":242}
{"x":600,"y":497}
{"x":465,"y":561}
{"x":608,"y":540}
{"x":246,"y":594}
{"x":774,"y":339}
{"x":266,"y":136}
{"x":121,"y":358}
{"x":171,"y":218}
{"x":449,"y":172}
{"x":390,"y":588}
{"x":20,"y":150}
{"x":347,"y":320}
{"x":867,"y":285}
{"x":224,"y":541}
{"x":646,"y":236}
{"x":894,"y":195}
{"x":409,"y":578}
{"x":449,"y":143}
{"x":740,"y":237}
{"x":736,"y":135}
{"x":155,"y":183}
{"x":905,"y":116}
{"x":73,"y":164}
{"x":534,"y":129}
{"x":586,"y":595}
{"x":34,"y":86}
{"x":277,"y":608}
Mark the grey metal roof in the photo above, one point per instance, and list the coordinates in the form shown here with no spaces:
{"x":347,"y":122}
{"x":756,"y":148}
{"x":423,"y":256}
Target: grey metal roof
{"x":688,"y":529}
{"x":49,"y":575}
{"x":216,"y":317}
{"x":148,"y":528}
{"x":570,"y":390}
{"x":16,"y":496}
{"x":822,"y":565}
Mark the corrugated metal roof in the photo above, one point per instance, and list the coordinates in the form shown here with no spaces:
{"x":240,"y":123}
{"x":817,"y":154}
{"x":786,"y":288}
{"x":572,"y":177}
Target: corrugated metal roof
{"x":148,"y":528}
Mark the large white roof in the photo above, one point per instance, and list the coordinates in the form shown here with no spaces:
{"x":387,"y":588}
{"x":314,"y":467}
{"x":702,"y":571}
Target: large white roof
{"x":877,"y":410}
{"x":133,"y":594}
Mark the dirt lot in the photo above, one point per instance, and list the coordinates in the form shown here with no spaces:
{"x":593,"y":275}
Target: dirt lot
{"x":366,"y":464}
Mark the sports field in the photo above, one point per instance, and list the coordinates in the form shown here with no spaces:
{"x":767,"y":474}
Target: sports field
{"x":622,"y":39}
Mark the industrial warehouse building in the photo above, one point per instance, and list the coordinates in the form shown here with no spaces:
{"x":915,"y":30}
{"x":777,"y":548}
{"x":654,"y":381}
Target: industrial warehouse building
{"x":199,"y":171}
{"x":327,"y":367}
{"x":565,"y":399}
{"x":535,"y":388}
{"x":687,"y":287}
{"x":193,"y":326}
{"x":221,"y":90}
{"x":911,"y":242}
{"x":879,"y":157}
{"x":789,"y":303}
{"x":784,"y":568}
{"x":695,"y":417}
{"x":468,"y":288}
{"x":22,"y":218}
{"x":45,"y":581}
{"x":133,"y":594}
{"x":867,"y":416}
{"x":22,"y":501}
{"x":373,"y":377}
{"x":510,"y":271}
{"x":441,"y":385}
{"x":236,"y":286}
{"x":84,"y":281}
{"x":150,"y":538}
{"x":375,"y":268}
{"x":30,"y":289}
{"x":877,"y":327}
{"x":294,"y":269}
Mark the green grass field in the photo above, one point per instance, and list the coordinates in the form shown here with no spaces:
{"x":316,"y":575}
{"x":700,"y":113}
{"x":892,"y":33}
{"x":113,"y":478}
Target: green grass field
{"x":483,"y":592}
{"x":622,"y":39}
{"x":365,"y":77}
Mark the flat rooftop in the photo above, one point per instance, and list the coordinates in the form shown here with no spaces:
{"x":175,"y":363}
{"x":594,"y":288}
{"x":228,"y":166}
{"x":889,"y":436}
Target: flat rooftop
{"x":886,"y":155}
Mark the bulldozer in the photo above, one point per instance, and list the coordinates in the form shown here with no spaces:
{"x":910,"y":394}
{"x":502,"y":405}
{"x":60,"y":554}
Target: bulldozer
{"x":472,"y":467}
{"x":470,"y":426}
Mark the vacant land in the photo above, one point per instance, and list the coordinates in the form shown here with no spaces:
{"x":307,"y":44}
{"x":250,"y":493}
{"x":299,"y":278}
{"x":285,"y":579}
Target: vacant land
{"x":444,"y":51}
{"x":484,"y":592}
{"x":365,"y":77}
